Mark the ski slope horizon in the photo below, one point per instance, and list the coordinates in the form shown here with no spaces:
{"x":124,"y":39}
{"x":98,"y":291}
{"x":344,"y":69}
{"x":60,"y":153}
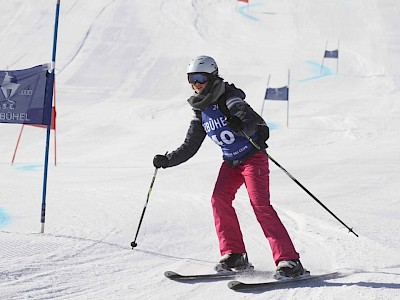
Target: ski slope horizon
{"x":121,"y":92}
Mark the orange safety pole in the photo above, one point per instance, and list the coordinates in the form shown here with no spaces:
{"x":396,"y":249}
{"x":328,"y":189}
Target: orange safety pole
{"x":16,"y":146}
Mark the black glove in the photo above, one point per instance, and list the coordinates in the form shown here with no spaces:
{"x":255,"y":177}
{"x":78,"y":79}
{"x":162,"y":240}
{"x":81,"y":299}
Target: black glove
{"x":160,"y":161}
{"x":235,"y":123}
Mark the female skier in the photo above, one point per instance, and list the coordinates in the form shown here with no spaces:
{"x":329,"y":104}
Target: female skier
{"x":243,"y":163}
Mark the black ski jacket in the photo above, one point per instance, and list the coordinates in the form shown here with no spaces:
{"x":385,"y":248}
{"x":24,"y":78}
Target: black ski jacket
{"x":196,"y":134}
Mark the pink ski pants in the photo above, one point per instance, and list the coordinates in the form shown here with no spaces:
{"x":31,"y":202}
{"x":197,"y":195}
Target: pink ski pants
{"x":254,"y":173}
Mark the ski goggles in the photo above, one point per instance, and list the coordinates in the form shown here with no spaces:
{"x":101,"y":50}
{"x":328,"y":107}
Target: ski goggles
{"x":198,"y":77}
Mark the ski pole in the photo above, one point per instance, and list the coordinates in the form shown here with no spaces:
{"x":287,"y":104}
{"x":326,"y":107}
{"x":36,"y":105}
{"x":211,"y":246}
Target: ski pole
{"x":312,"y":196}
{"x":134,"y":244}
{"x":299,"y":184}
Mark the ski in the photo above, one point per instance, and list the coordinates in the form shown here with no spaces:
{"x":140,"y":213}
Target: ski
{"x":271,"y":284}
{"x":208,"y":276}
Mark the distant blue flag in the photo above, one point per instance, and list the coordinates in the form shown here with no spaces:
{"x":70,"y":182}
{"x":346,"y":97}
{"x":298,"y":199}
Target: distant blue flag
{"x":277,"y":93}
{"x":331,"y":54}
{"x":26,"y":96}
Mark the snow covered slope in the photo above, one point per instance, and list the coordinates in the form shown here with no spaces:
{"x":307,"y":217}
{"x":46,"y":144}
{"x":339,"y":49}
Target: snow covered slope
{"x":121,"y":99}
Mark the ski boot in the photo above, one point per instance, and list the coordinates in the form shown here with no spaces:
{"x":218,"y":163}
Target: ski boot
{"x":289,"y":269}
{"x":237,"y":262}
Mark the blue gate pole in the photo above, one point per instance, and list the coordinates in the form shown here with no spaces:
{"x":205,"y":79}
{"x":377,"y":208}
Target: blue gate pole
{"x":46,"y":159}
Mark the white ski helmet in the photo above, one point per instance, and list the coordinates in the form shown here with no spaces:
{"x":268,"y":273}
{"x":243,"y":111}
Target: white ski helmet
{"x":203,"y":64}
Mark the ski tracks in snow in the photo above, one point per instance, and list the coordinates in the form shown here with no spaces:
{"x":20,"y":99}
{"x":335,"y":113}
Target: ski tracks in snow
{"x":38,"y":265}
